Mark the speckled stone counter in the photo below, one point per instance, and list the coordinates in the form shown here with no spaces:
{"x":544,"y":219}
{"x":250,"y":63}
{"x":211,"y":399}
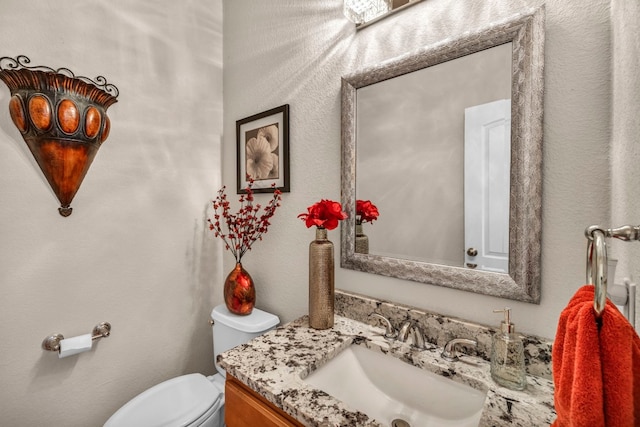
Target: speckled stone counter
{"x":274,"y":364}
{"x":440,"y":329}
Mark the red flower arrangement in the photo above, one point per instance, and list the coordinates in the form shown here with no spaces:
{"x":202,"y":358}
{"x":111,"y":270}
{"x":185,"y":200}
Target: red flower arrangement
{"x":366,"y":211}
{"x":244,"y":227}
{"x":323,"y":214}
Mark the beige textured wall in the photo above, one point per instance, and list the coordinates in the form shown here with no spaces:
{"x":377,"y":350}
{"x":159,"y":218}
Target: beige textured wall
{"x":625,"y":153}
{"x":134,"y":252}
{"x":291,"y":52}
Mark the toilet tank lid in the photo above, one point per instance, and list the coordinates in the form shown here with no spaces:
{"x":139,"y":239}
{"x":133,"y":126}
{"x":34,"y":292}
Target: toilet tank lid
{"x":257,"y":321}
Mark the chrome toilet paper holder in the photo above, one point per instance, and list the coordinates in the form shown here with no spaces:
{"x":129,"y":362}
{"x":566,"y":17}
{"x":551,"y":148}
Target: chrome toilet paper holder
{"x":52,"y":342}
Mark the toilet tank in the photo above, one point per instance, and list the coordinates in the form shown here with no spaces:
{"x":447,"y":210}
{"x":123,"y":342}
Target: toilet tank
{"x":231,"y":330}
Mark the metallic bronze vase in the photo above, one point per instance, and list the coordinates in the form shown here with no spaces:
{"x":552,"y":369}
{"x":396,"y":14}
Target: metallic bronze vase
{"x":62,"y":118}
{"x":362,"y":240}
{"x":239,"y":291}
{"x":321,"y":281}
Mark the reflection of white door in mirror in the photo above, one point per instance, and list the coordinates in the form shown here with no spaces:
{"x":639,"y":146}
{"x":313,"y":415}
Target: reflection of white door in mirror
{"x":487,"y":153}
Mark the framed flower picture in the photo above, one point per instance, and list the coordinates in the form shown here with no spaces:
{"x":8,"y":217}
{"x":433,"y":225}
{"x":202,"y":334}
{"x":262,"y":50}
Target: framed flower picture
{"x":263,"y":151}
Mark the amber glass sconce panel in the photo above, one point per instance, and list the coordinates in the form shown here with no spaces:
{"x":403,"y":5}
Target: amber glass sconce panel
{"x":62,"y":118}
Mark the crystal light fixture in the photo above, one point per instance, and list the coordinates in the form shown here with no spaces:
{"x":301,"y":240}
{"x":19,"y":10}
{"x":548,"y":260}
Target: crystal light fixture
{"x":365,"y":12}
{"x":362,"y":11}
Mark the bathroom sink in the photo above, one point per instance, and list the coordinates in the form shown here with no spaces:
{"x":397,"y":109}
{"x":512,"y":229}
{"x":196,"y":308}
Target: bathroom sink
{"x":388,"y":389}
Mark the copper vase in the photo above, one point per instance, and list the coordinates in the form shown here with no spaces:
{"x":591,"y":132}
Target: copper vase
{"x":362,"y":240}
{"x":321,"y":281}
{"x":239,"y":291}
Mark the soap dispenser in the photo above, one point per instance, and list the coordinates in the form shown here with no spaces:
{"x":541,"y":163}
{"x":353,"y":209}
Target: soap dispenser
{"x":507,"y":355}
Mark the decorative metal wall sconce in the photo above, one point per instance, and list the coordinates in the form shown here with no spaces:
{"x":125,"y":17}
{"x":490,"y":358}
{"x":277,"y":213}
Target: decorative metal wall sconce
{"x":62,"y":118}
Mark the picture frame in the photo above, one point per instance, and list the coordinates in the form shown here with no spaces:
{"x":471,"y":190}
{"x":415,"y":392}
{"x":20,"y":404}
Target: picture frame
{"x":263,"y":151}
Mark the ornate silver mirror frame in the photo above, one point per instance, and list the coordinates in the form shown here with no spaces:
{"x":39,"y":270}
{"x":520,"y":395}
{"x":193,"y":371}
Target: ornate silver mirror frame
{"x":526,"y":33}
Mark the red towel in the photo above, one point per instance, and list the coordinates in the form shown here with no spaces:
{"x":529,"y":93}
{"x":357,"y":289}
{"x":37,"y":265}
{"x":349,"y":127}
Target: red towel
{"x":596,"y":371}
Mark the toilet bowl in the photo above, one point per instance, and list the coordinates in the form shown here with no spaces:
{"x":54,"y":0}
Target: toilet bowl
{"x":194,"y":400}
{"x":188,"y":400}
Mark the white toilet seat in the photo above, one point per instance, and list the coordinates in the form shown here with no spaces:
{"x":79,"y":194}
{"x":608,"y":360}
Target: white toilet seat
{"x":188,"y":400}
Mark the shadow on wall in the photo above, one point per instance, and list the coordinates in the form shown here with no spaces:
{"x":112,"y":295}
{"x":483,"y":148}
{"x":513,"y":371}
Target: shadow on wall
{"x":50,"y":372}
{"x":205,"y":281}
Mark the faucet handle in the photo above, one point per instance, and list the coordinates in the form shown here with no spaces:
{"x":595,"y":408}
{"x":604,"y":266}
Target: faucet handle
{"x":450,"y":352}
{"x":390,"y":332}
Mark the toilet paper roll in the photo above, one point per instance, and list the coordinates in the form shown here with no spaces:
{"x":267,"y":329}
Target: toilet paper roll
{"x":75,"y":345}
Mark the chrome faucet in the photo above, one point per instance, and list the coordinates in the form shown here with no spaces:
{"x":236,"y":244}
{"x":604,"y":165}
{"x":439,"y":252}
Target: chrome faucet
{"x":390,"y":332}
{"x":413,"y":330}
{"x":450,"y":352}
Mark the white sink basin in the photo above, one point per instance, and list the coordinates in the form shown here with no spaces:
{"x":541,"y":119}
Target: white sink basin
{"x":387,"y":389}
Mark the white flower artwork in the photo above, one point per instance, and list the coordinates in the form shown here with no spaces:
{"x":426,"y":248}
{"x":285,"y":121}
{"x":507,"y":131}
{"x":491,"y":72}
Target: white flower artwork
{"x":263,"y":144}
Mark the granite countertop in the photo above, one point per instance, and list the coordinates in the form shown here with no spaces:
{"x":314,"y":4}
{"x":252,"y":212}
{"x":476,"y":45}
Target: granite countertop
{"x":274,"y":364}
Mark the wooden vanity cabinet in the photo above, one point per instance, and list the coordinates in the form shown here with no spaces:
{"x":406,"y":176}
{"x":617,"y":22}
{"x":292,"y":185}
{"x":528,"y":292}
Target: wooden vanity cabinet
{"x":246,"y":408}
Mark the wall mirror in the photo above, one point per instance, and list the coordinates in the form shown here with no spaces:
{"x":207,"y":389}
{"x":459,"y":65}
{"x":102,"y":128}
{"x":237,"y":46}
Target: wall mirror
{"x":446,"y":141}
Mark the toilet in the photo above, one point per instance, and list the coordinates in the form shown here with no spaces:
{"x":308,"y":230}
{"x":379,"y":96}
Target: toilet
{"x":194,"y":400}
